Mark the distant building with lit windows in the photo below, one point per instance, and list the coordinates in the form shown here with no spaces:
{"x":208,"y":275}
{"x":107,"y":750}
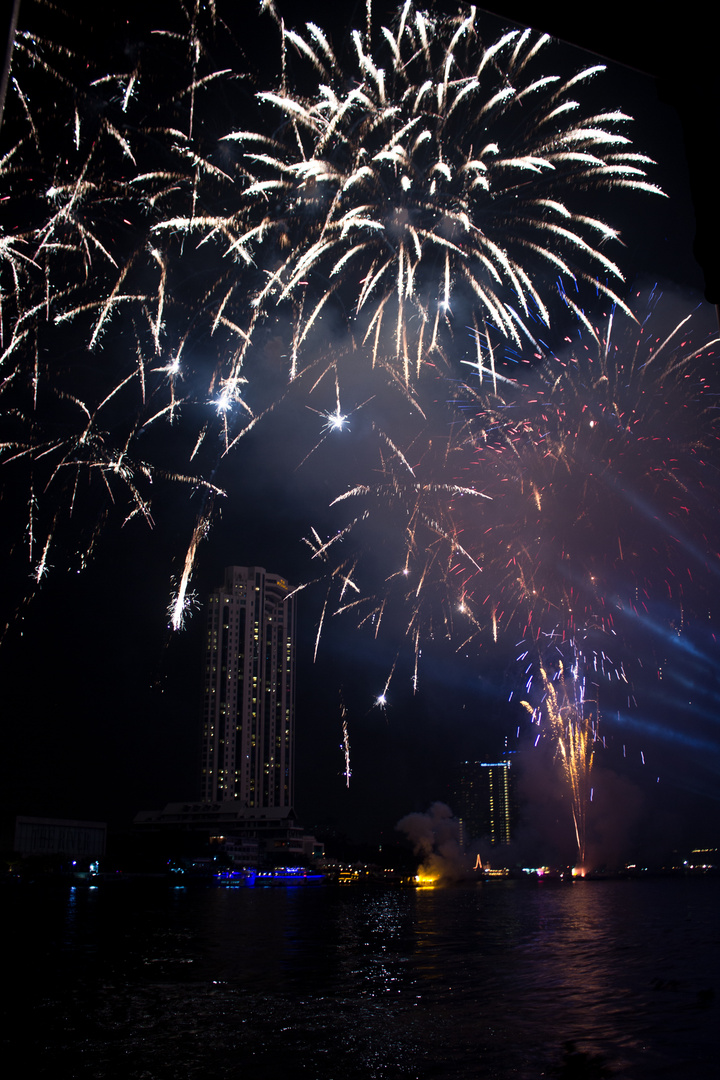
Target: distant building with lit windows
{"x":484,"y":801}
{"x":249,"y":692}
{"x":248,"y":730}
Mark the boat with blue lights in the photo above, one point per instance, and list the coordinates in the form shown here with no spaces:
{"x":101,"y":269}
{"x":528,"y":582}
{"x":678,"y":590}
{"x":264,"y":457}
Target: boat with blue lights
{"x":287,"y":876}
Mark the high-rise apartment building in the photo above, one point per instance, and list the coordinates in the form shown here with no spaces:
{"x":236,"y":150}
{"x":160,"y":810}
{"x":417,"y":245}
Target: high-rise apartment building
{"x":483,"y":801}
{"x":249,"y":696}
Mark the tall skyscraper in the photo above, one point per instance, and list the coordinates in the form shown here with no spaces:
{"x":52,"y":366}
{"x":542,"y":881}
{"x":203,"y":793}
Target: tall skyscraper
{"x":249,"y":697}
{"x":483,"y":801}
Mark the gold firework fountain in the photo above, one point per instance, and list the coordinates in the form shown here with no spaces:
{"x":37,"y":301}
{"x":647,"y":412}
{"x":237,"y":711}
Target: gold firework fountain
{"x":572,"y":723}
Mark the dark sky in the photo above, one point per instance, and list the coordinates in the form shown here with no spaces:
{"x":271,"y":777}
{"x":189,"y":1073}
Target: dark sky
{"x":101,"y":701}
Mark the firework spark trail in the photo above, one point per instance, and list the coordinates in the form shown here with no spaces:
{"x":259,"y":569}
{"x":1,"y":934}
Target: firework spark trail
{"x":414,"y":512}
{"x":381,"y":699}
{"x":183,"y":599}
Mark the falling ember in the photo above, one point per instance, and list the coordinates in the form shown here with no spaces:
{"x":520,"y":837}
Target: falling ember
{"x":346,"y":751}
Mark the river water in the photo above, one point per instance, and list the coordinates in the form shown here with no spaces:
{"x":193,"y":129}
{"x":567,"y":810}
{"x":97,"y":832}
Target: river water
{"x":506,"y":979}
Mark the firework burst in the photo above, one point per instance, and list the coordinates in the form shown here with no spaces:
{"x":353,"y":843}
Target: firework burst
{"x":576,"y":499}
{"x":429,"y":180}
{"x":90,"y":369}
{"x":600,"y":467}
{"x":428,"y":173}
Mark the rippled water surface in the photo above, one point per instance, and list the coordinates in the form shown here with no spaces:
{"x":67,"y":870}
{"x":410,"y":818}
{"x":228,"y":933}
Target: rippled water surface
{"x":507,"y":979}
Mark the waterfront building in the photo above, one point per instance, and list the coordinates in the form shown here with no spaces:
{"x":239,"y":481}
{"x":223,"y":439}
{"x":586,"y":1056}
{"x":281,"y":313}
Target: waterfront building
{"x":484,"y":802}
{"x":249,"y":692}
{"x":271,"y":836}
{"x":58,"y":836}
{"x":248,"y":728}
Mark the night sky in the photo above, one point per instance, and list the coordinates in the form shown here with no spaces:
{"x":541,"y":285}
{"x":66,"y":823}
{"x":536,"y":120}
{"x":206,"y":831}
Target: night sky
{"x":101,"y":700}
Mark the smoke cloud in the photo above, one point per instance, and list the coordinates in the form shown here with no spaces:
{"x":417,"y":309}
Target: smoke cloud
{"x":435,"y":836}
